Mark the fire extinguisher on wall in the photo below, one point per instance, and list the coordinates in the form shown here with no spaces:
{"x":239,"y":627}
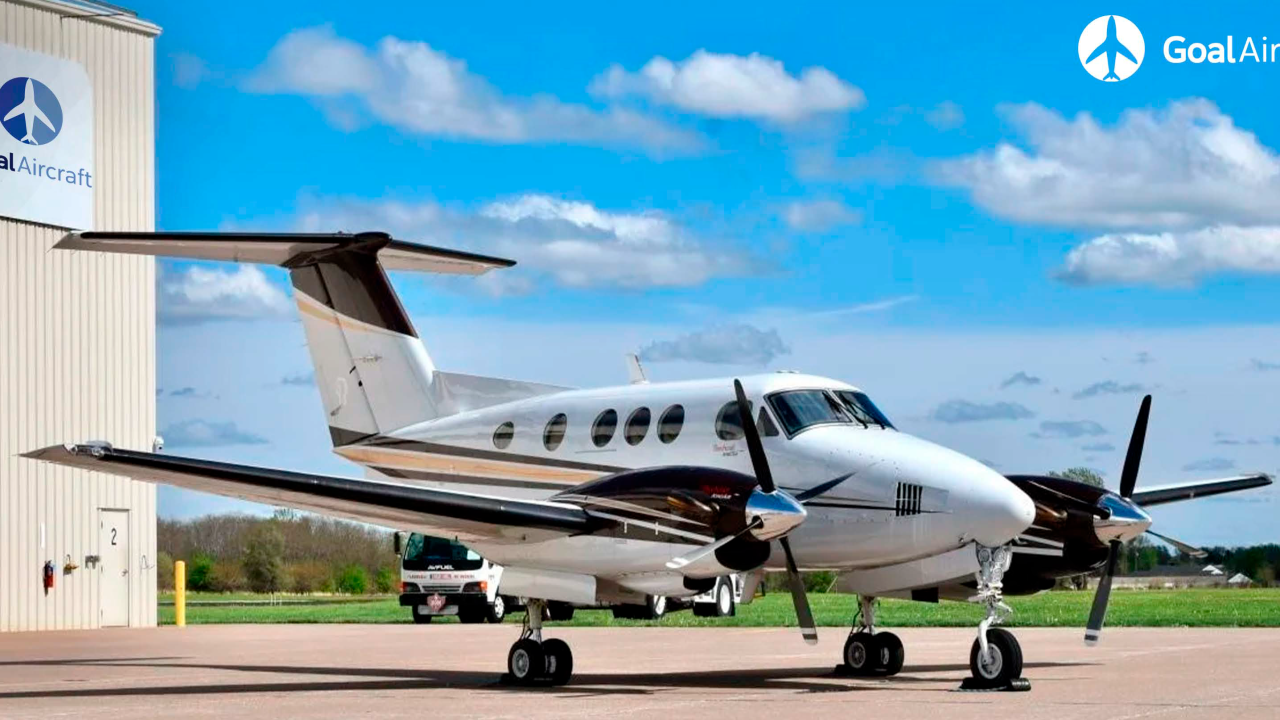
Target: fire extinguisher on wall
{"x":48,"y":576}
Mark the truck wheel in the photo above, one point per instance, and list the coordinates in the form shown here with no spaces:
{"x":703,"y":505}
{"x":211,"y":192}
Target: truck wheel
{"x":724,"y":600}
{"x":657,"y":606}
{"x":420,"y":618}
{"x":497,"y":610}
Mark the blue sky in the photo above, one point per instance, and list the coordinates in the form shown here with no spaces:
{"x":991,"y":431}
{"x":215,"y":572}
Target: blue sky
{"x":923,"y":200}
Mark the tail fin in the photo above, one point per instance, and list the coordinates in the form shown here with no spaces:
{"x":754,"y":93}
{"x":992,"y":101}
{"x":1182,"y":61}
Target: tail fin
{"x":374,"y":373}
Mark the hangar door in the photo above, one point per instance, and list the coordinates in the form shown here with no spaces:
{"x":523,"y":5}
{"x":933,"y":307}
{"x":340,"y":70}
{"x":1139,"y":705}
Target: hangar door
{"x":113,"y":567}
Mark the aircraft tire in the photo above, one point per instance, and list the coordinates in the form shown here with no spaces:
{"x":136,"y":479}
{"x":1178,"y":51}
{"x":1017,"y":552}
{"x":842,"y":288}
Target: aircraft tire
{"x":860,"y":653}
{"x":1004,"y":663}
{"x":559,"y":661}
{"x":526,"y":662}
{"x":889,"y":654}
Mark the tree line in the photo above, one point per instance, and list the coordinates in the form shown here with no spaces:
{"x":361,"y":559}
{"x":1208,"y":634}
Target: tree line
{"x":287,"y":552}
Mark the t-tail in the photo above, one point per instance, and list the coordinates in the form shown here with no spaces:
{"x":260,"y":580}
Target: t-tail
{"x":372,"y":369}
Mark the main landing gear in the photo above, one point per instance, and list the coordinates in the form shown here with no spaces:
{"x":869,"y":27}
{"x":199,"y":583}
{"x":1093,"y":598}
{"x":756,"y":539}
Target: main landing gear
{"x":534,"y":661}
{"x":996,"y":657}
{"x":867,"y":652}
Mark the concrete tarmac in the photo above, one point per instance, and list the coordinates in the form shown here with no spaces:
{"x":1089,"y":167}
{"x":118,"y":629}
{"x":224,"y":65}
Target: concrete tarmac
{"x":428,"y":672}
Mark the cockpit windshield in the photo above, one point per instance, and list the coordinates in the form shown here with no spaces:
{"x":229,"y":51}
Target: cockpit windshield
{"x":799,"y":409}
{"x":863,"y":409}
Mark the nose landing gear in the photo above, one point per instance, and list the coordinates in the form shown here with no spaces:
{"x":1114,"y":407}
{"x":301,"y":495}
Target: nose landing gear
{"x":995,"y":659}
{"x":534,"y":661}
{"x":867,"y":652}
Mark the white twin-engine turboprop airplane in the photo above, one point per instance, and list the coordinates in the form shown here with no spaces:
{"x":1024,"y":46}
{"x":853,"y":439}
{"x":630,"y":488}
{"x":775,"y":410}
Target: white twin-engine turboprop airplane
{"x":612,"y":494}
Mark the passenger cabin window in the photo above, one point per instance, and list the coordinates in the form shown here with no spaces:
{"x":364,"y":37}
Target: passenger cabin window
{"x":729,"y":421}
{"x":603,"y":428}
{"x":637,"y":426}
{"x":863,"y":410}
{"x":801,"y":409}
{"x":554,"y":434}
{"x":502,"y":436}
{"x":670,"y":423}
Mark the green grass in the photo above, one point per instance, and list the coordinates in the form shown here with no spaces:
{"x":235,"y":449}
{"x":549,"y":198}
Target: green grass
{"x":1151,"y":608}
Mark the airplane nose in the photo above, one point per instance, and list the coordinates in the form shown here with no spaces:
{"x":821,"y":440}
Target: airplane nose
{"x":1000,"y":511}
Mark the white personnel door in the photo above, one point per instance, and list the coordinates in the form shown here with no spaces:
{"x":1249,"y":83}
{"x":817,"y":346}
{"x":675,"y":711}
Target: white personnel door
{"x":113,"y":568}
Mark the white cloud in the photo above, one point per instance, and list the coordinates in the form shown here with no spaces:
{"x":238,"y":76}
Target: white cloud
{"x":946,"y":115}
{"x":199,"y":293}
{"x":418,"y":89}
{"x":819,"y":215}
{"x":963,"y":411}
{"x":570,"y":243}
{"x":738,"y":344}
{"x":189,"y":70}
{"x":206,"y":433}
{"x":1184,"y":166}
{"x":733,"y":86}
{"x":1173,"y":258}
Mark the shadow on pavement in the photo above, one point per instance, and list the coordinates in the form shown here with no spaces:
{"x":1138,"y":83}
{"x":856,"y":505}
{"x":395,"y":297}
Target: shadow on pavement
{"x":808,"y":680}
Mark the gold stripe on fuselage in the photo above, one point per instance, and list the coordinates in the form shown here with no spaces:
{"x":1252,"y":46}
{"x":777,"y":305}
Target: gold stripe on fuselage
{"x":472,"y":467}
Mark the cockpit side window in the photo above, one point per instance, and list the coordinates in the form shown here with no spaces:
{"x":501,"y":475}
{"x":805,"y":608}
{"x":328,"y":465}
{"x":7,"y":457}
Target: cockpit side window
{"x":863,"y":409}
{"x":800,"y":409}
{"x":765,"y":426}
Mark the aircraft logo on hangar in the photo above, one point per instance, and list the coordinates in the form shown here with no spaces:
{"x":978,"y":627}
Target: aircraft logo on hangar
{"x":31,"y":112}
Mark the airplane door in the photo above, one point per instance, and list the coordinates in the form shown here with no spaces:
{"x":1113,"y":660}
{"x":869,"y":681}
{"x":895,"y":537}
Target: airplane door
{"x":113,"y":568}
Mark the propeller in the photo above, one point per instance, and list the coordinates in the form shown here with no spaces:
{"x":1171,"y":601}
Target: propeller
{"x":1128,"y":479}
{"x":774,"y":513}
{"x":1119,"y":519}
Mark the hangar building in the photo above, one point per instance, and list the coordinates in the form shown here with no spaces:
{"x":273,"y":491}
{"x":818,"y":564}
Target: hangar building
{"x":77,"y":330}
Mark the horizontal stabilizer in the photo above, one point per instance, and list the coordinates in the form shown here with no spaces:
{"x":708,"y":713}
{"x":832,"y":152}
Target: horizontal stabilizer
{"x":284,"y":249}
{"x":394,"y":505}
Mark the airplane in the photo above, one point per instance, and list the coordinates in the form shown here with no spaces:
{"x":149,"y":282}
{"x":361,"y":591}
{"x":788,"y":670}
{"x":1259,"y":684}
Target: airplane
{"x":1112,"y":47}
{"x":612,"y":495}
{"x":32,"y":112}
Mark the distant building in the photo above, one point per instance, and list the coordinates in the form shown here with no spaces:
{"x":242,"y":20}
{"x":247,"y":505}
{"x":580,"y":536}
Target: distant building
{"x":1240,"y":580}
{"x":1174,"y":576}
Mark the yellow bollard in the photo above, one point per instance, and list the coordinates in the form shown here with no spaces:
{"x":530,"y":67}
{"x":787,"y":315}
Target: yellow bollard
{"x":180,"y":593}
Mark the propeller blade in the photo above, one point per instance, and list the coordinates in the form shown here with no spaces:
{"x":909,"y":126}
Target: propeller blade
{"x":1100,"y":598}
{"x":1133,"y":458}
{"x":1191,"y":550}
{"x":804,"y":616}
{"x":696,"y":555}
{"x":758,"y":461}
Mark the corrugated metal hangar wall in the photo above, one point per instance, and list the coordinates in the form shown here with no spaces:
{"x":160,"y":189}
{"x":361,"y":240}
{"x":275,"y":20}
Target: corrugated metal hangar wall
{"x":77,"y":330}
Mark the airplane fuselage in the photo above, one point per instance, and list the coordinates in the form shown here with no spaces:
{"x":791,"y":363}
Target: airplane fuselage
{"x":892,"y":498}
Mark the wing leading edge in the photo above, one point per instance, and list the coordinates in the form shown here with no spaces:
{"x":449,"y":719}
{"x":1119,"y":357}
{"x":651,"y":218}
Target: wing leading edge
{"x":1201,"y":488}
{"x":381,"y":503}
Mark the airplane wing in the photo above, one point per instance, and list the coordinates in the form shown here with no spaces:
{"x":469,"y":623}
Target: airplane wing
{"x":1122,"y":50}
{"x":1202,"y":488}
{"x":1096,"y":52}
{"x":394,"y":505}
{"x":40,"y":115}
{"x":16,"y":111}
